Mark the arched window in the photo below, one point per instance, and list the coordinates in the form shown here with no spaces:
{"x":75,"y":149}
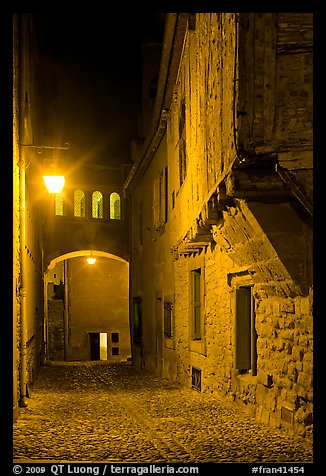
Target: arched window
{"x":79,"y":203}
{"x":58,"y":205}
{"x":97,"y":205}
{"x":115,"y":206}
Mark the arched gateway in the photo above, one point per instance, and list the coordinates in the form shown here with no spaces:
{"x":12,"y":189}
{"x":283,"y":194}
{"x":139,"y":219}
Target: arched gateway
{"x":86,"y":307}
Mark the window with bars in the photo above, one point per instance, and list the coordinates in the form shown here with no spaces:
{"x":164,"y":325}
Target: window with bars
{"x":58,"y":204}
{"x":115,"y":206}
{"x":79,"y":203}
{"x":97,"y":204}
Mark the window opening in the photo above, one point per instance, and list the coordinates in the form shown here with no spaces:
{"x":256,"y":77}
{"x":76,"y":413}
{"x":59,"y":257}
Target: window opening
{"x":59,"y":204}
{"x":115,"y":206}
{"x":115,"y":351}
{"x":97,"y":205}
{"x":79,"y":203}
{"x":160,"y":199}
{"x":182,"y":143}
{"x":245,"y":332}
{"x":196,"y":303}
{"x":196,"y":378}
{"x":114,"y":336}
{"x":168,"y":306}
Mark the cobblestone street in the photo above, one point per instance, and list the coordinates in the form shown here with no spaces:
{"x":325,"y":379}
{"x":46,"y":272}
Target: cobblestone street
{"x":94,"y":412}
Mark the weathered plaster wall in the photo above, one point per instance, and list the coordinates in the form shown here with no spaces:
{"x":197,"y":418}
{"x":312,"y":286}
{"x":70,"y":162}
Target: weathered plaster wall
{"x":97,"y":302}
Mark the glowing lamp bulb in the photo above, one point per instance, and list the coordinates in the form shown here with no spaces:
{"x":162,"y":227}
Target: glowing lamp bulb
{"x":54,"y":183}
{"x":91,"y":260}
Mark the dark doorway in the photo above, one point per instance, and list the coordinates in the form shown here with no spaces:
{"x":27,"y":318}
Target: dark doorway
{"x":94,"y":340}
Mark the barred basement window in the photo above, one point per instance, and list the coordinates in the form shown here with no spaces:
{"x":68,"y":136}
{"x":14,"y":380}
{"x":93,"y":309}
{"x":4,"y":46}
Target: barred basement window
{"x":115,"y":206}
{"x":79,"y":203}
{"x":97,"y":205}
{"x":196,"y":378}
{"x":59,"y":204}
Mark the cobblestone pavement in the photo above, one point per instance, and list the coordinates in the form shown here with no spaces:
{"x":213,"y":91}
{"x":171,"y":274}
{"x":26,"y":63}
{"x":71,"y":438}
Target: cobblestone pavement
{"x":114,"y":413}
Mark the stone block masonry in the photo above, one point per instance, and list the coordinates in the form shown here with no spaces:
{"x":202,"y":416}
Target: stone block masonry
{"x":55,"y":330}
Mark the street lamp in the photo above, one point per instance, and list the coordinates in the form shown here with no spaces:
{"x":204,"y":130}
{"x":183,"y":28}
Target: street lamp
{"x":54,"y":183}
{"x":53,"y":178}
{"x":91,"y":259}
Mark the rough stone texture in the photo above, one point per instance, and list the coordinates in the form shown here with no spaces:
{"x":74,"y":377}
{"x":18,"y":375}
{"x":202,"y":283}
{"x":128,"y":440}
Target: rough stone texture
{"x":56,"y":341}
{"x":115,"y":413}
{"x":259,"y":238}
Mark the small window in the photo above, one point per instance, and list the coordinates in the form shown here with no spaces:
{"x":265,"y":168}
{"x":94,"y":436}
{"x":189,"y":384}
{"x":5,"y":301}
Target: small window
{"x":196,"y":378}
{"x":245,"y":335}
{"x":167,"y":306}
{"x":97,"y":205}
{"x":114,"y":336}
{"x":115,"y":206}
{"x":160,"y":206}
{"x":59,"y":204}
{"x":79,"y":203}
{"x":115,"y":351}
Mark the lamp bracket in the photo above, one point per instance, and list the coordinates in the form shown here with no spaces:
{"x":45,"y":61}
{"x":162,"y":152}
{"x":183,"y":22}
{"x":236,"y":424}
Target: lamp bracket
{"x":41,"y":147}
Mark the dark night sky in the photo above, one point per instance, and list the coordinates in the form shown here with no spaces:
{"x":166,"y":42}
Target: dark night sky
{"x":98,"y":64}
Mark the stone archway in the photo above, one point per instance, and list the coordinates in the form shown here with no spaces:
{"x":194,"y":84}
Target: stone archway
{"x":85,"y":305}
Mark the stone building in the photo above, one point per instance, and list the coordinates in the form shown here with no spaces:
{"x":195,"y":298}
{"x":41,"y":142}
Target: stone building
{"x":28,"y":341}
{"x":219,"y":203}
{"x":221,"y":214}
{"x":55,"y":234}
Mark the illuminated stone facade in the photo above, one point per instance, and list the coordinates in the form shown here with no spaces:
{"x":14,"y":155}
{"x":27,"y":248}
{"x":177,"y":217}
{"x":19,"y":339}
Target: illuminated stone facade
{"x":221,"y":196}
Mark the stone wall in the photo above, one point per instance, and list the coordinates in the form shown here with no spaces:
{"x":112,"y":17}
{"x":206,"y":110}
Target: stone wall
{"x":16,"y":230}
{"x":55,"y":338}
{"x":97,"y":303}
{"x":260,"y":238}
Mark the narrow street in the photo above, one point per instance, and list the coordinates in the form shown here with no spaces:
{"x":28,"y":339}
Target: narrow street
{"x":95,"y":412}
